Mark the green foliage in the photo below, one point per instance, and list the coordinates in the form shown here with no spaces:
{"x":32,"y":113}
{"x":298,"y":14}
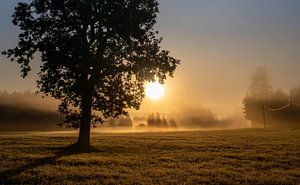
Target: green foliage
{"x":94,"y":53}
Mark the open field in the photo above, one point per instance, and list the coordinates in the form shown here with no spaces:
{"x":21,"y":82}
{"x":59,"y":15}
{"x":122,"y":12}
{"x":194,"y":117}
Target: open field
{"x":247,"y":156}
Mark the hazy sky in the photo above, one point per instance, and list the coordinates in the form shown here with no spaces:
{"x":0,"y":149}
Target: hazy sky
{"x":220,"y":44}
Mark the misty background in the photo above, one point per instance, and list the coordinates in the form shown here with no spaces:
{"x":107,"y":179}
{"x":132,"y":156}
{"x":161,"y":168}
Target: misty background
{"x":263,"y":105}
{"x":30,"y":111}
{"x":220,"y":43}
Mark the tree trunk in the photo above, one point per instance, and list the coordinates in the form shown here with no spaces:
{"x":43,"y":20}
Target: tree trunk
{"x":85,"y":122}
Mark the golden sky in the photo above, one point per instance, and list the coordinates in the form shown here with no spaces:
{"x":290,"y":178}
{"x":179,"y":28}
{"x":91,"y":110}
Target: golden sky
{"x":220,"y":44}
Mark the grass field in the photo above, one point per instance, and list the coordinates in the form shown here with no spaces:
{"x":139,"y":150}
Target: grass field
{"x":247,"y":156}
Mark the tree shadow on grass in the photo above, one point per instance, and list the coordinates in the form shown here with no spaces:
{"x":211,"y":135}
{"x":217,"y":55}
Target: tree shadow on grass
{"x":10,"y":176}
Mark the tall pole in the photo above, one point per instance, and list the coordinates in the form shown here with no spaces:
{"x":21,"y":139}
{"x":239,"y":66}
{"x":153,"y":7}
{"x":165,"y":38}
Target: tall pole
{"x":264,"y":115}
{"x":291,"y":112}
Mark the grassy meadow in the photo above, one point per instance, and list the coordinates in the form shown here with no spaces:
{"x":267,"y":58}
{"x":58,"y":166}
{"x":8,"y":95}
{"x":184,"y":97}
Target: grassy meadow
{"x":246,"y":156}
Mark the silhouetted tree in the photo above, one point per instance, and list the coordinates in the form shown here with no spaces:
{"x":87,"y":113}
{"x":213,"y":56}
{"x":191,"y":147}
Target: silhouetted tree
{"x":164,"y":122}
{"x":157,"y":120}
{"x":96,"y":55}
{"x":278,"y":99}
{"x":260,"y":86}
{"x":263,"y":104}
{"x":172,"y":123}
{"x":295,"y":100}
{"x":27,"y":111}
{"x":123,"y":121}
{"x":258,"y":94}
{"x":295,"y":95}
{"x":151,"y":120}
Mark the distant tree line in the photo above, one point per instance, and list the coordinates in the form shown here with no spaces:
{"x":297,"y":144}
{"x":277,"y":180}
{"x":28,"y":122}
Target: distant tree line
{"x":265,"y":106}
{"x":27,"y":111}
{"x":158,"y":120}
{"x":123,"y":121}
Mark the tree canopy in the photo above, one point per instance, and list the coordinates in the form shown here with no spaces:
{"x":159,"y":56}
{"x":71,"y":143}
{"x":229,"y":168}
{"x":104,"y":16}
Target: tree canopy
{"x":95,"y":54}
{"x":263,"y":105}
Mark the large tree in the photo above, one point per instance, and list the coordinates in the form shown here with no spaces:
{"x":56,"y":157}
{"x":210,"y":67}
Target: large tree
{"x":96,"y":55}
{"x":258,"y":95}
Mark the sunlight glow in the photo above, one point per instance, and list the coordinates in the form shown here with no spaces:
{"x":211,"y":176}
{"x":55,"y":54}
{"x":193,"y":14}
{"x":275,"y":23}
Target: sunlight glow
{"x":154,"y":91}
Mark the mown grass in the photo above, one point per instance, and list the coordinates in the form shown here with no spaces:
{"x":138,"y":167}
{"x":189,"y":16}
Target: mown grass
{"x":247,"y":156}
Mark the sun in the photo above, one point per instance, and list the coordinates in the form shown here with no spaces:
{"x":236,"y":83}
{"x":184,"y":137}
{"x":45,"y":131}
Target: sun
{"x":154,"y":90}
